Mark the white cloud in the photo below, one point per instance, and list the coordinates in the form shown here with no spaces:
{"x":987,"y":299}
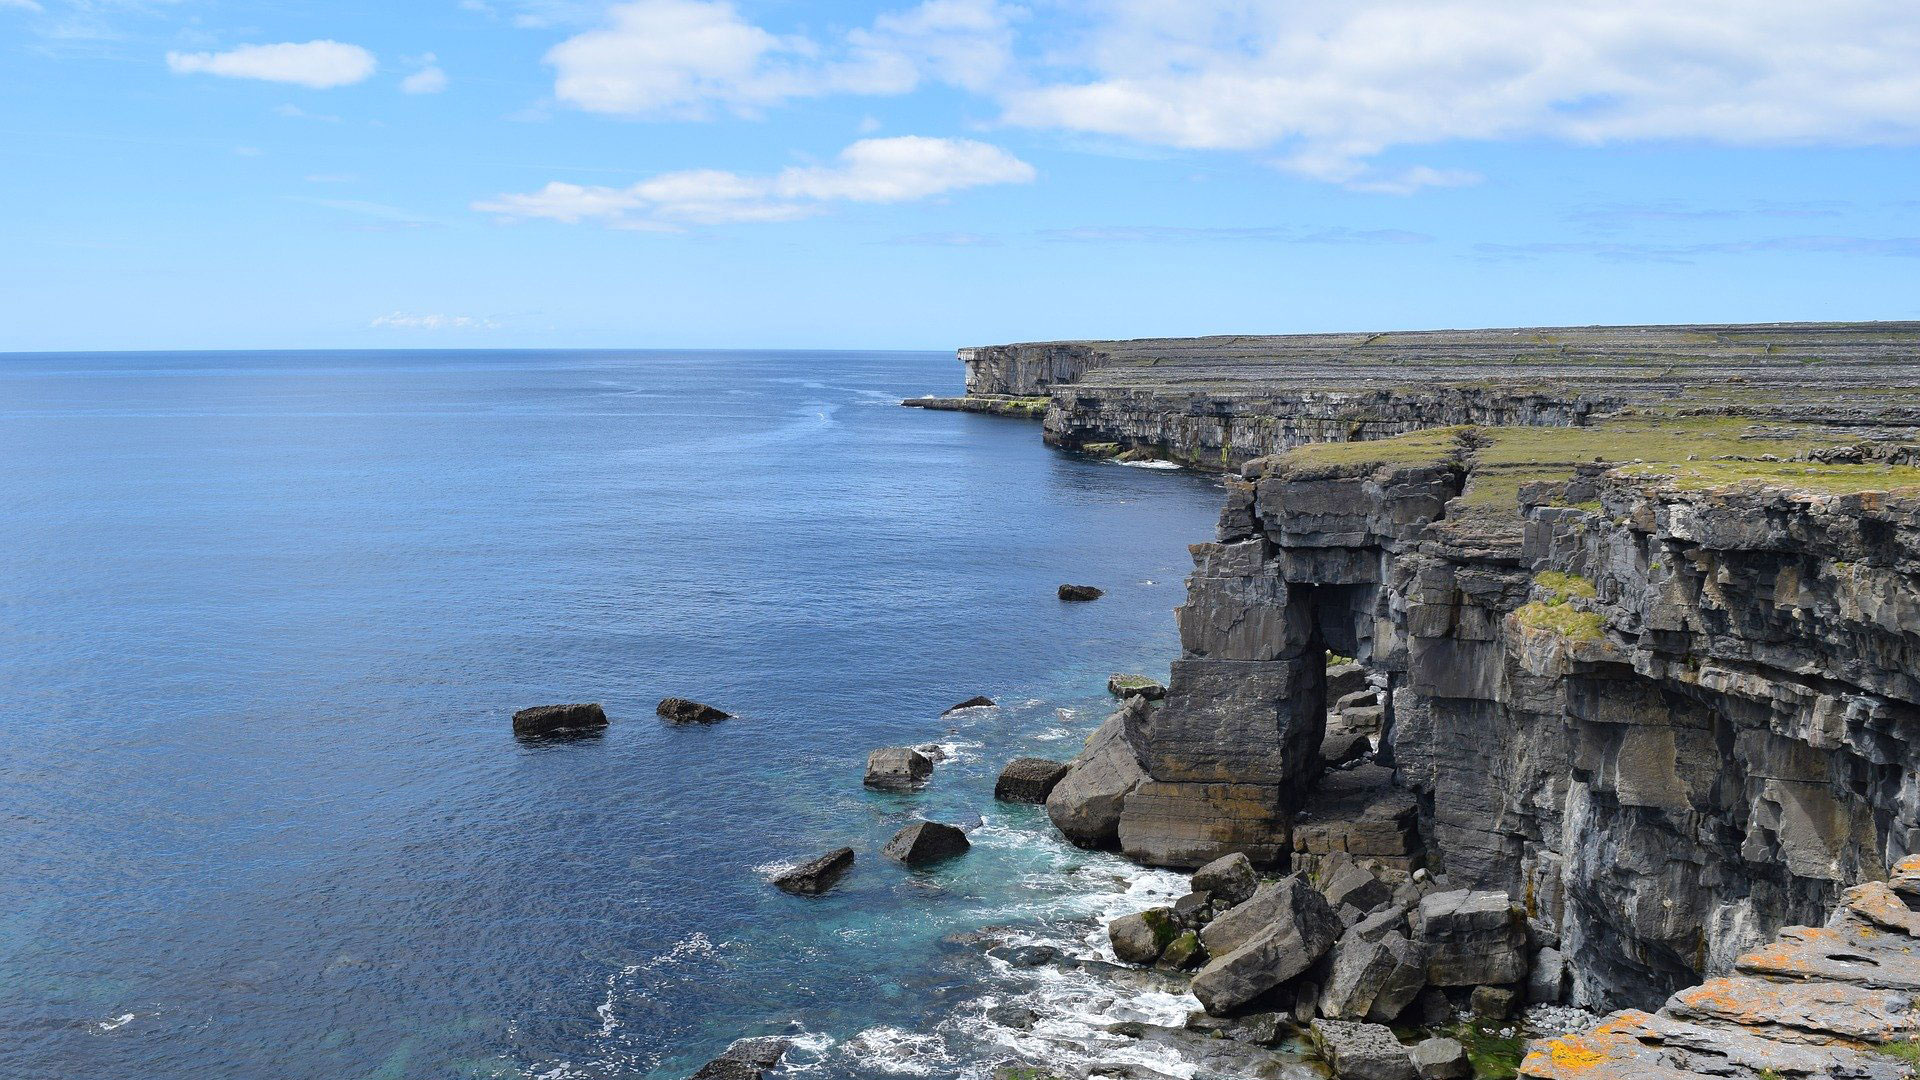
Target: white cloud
{"x":26,"y":5}
{"x":684,"y":58}
{"x":889,"y":170}
{"x":1333,"y":84}
{"x":404,"y":320}
{"x":316,"y":64}
{"x":428,"y":80}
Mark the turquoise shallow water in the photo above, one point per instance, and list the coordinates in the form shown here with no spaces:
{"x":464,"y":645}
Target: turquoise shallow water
{"x":264,"y":617}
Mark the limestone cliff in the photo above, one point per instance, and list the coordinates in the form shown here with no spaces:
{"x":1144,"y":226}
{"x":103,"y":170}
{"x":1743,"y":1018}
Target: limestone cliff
{"x":1645,"y":605}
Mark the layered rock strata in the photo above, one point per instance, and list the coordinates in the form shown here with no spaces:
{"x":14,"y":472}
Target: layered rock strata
{"x":1641,"y":605}
{"x":1831,"y":1001}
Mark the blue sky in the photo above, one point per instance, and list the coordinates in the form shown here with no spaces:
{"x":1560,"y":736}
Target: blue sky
{"x":687,"y":173}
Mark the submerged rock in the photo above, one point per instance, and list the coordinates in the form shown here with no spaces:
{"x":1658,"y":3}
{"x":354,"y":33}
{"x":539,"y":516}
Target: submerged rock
{"x":1028,"y":780}
{"x":897,"y":768}
{"x":981,"y":702}
{"x":682,"y":711}
{"x":550,"y":719}
{"x":925,"y":842}
{"x":746,"y":1059}
{"x":1080,"y":593}
{"x":815,"y":876}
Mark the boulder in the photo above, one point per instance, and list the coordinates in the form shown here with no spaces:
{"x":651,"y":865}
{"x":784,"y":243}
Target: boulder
{"x":1347,"y":883}
{"x":1373,"y":980}
{"x":1193,"y":909}
{"x":1080,"y":593}
{"x":1344,"y":679}
{"x":1275,"y":936}
{"x":746,"y":1059}
{"x":897,"y":768}
{"x":1182,"y":952}
{"x":1441,"y":1059}
{"x":1141,"y":938}
{"x":926,"y":842}
{"x":1229,"y":878}
{"x":1085,"y":805}
{"x":676,"y":710}
{"x":982,"y":702}
{"x":549,"y":719}
{"x":1362,"y":1051}
{"x":1472,"y":938}
{"x":815,"y":876}
{"x":1547,"y":979}
{"x":1493,"y":1002}
{"x":1341,"y":749}
{"x":1028,"y":780}
{"x":1126,"y":686}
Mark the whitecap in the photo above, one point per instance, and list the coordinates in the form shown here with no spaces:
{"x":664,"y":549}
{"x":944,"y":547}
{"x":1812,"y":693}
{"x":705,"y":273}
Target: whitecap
{"x":116,"y":1023}
{"x":902,"y":1053}
{"x":1150,"y":464}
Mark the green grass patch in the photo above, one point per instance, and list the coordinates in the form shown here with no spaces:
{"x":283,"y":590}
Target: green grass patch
{"x":1798,"y":475}
{"x":1568,"y":622}
{"x":1907,"y":1050}
{"x":1564,"y":587}
{"x":1431,"y":446}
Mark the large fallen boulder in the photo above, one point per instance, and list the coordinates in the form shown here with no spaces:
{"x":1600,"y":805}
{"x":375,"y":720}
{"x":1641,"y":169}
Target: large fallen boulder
{"x":1029,"y":780}
{"x":676,"y":710}
{"x":926,"y":842}
{"x":1441,"y":1059}
{"x":1373,"y":980}
{"x":1275,"y":936}
{"x":897,"y":768}
{"x":815,"y":876}
{"x":1472,"y":938}
{"x":1230,"y":879}
{"x":551,"y":719}
{"x":1085,"y":805}
{"x":746,"y":1059}
{"x":1141,"y":938}
{"x":1362,"y":1051}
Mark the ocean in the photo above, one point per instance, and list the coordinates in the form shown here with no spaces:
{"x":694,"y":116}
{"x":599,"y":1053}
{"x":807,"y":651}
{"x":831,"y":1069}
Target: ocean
{"x":264,"y":618}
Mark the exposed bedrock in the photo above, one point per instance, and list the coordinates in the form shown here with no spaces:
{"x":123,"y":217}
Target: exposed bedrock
{"x":1640,"y":635}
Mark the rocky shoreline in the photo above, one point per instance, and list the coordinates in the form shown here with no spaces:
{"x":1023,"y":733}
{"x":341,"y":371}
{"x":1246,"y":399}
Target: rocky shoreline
{"x":1636,"y":614}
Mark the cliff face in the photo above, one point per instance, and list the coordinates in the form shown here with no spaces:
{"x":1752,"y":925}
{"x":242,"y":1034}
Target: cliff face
{"x":1654,"y":673}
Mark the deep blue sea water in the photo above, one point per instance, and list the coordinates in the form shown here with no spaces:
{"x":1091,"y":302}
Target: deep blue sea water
{"x":264,"y":618}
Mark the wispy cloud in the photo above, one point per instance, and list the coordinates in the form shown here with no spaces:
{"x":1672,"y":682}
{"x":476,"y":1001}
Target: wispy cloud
{"x":1907,"y":247}
{"x":318,"y":65}
{"x":900,"y":169}
{"x":1611,"y":216}
{"x":1269,"y":234}
{"x":430,"y":79}
{"x":407,"y":320}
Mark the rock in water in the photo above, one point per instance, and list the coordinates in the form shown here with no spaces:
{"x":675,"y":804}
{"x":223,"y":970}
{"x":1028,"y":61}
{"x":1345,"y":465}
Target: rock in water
{"x":1230,"y":878}
{"x":981,"y":702}
{"x":1263,"y":943}
{"x":1028,"y":780}
{"x":1363,"y":1051}
{"x":681,"y":711}
{"x":926,"y":842}
{"x":1141,"y":938}
{"x":815,"y":876}
{"x":1080,"y":593}
{"x":746,"y":1059}
{"x":548,"y":719}
{"x":1441,"y":1059}
{"x":897,"y":768}
{"x":1126,"y":686}
{"x":1085,"y":805}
